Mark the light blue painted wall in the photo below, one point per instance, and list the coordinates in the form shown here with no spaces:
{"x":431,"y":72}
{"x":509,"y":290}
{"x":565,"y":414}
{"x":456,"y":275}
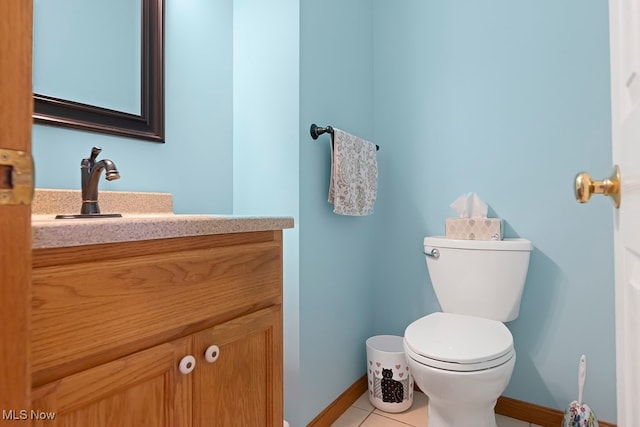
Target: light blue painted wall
{"x":507,"y":100}
{"x":336,"y":252}
{"x":510,"y":100}
{"x":266,"y":146}
{"x":195,"y":164}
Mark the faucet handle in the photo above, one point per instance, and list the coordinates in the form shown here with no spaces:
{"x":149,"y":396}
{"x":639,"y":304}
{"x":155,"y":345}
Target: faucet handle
{"x":94,"y":153}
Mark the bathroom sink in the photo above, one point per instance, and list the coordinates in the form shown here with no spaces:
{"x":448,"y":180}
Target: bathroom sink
{"x":142,"y":216}
{"x":82,"y":216}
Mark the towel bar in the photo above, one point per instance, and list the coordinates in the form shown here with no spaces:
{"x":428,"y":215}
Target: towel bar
{"x":316,"y":131}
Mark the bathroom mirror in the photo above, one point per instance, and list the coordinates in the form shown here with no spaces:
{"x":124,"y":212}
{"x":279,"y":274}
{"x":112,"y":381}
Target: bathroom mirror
{"x":143,"y":115}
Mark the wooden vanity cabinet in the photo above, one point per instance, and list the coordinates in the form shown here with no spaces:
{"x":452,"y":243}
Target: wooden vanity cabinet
{"x":142,"y":389}
{"x":112,"y":323}
{"x":235,"y":389}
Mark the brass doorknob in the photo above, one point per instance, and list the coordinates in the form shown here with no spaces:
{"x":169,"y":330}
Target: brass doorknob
{"x":610,"y":186}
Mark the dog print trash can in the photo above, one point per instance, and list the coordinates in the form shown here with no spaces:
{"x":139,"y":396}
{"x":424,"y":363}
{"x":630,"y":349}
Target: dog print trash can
{"x":390,"y":382}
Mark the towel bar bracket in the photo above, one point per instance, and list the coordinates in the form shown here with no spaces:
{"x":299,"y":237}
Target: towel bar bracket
{"x":316,"y":130}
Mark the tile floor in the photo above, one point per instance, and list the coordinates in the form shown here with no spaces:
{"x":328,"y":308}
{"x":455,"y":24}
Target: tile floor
{"x":362,"y":413}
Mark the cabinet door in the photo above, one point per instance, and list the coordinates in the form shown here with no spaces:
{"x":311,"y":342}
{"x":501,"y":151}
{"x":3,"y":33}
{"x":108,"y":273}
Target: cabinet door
{"x":243,"y":386}
{"x":143,"y":389}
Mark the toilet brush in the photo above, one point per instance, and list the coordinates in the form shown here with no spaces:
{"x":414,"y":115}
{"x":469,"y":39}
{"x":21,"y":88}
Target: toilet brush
{"x":578,"y":414}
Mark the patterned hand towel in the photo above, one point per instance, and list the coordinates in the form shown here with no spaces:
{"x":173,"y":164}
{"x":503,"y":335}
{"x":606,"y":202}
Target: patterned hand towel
{"x":354,"y":175}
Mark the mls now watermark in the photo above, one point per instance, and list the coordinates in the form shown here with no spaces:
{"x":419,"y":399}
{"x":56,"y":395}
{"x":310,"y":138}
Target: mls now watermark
{"x":24,"y":414}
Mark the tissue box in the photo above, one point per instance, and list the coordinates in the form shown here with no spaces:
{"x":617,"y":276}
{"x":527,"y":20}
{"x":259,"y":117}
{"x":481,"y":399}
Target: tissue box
{"x":473,"y":228}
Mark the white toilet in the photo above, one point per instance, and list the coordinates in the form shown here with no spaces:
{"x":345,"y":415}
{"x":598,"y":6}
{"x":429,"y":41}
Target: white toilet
{"x":462,"y":358}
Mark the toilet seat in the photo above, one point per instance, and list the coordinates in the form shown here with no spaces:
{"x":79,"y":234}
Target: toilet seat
{"x":457,"y":342}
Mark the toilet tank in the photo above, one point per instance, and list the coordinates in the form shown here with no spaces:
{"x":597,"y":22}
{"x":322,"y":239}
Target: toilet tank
{"x":482,"y":278}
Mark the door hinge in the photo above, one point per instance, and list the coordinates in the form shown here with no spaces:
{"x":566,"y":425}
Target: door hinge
{"x":16,"y":177}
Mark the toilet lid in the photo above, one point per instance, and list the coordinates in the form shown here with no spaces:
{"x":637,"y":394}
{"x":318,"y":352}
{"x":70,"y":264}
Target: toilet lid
{"x":458,"y":342}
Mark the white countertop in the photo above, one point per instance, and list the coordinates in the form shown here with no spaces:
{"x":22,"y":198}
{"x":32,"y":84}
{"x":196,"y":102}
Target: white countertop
{"x":48,"y":232}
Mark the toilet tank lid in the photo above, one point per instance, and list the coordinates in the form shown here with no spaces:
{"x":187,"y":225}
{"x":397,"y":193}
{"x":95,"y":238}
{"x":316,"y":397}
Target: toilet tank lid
{"x":513,"y":244}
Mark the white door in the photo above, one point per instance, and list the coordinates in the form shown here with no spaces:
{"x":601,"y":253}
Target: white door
{"x":624,"y":17}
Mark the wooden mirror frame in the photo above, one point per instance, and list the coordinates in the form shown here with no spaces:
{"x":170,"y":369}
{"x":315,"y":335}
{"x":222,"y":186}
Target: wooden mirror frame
{"x":149,"y":125}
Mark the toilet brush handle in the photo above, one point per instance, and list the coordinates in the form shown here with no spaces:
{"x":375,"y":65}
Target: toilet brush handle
{"x":582,"y":376}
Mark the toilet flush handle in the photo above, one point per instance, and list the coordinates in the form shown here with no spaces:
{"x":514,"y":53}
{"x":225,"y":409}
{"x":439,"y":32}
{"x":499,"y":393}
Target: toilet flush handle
{"x":433,"y":254}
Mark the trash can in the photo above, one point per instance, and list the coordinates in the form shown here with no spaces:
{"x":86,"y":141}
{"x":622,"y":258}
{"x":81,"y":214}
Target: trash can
{"x":390,"y":382}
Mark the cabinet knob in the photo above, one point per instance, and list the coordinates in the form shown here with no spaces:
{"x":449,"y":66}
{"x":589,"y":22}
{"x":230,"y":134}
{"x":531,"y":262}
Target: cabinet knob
{"x":187,"y":364}
{"x":211,"y":353}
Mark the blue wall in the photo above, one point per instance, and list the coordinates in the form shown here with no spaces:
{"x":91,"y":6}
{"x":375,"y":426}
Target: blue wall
{"x":509,"y":100}
{"x":199,"y":121}
{"x":266,"y":44}
{"x":336,"y":267}
{"x":506,"y":99}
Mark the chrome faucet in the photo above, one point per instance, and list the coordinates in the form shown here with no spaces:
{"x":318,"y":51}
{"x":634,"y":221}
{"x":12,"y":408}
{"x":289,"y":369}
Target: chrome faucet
{"x":90,"y":173}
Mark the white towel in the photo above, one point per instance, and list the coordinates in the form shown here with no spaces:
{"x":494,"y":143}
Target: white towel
{"x":354,"y":175}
